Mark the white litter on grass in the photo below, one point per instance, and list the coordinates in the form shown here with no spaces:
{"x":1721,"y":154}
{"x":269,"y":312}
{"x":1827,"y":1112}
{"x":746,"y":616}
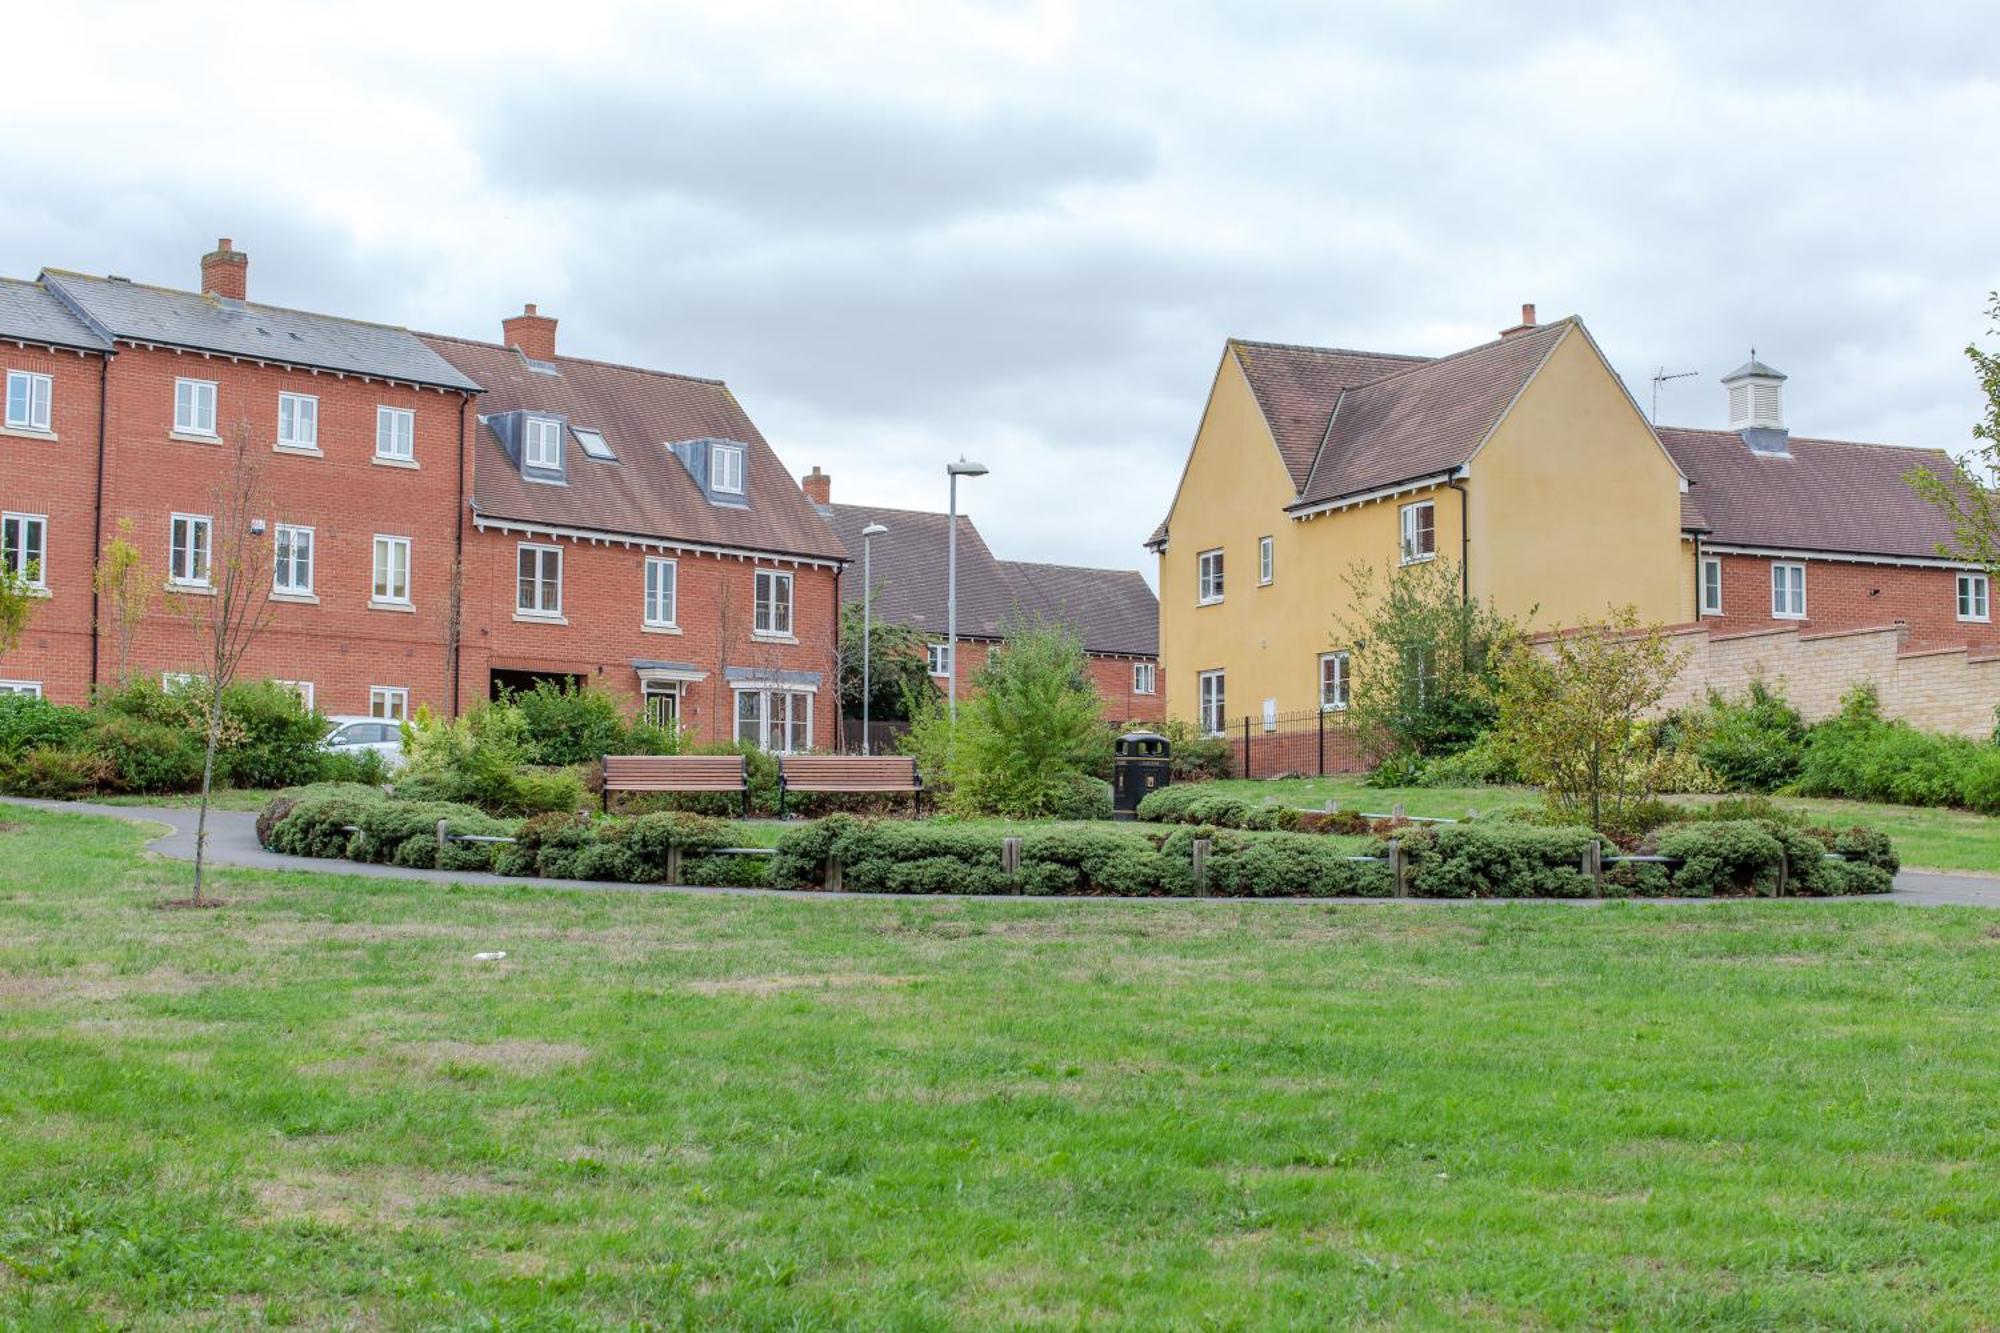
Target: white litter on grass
{"x":489,"y":957}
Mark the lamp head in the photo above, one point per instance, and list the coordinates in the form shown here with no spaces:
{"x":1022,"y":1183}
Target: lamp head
{"x":964,"y":469}
{"x":873,"y":530}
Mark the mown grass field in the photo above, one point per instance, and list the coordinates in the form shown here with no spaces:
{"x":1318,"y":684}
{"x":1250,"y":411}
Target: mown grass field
{"x":314,"y":1108}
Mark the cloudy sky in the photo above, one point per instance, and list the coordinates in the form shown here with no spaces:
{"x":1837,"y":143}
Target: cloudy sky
{"x":1021,"y":231}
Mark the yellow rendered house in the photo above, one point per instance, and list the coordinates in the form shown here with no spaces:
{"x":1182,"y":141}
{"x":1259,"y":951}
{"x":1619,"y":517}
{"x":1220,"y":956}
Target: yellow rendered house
{"x":1524,"y":460}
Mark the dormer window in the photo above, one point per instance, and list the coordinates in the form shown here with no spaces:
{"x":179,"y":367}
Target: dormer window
{"x":541,"y":444}
{"x":725,"y":469}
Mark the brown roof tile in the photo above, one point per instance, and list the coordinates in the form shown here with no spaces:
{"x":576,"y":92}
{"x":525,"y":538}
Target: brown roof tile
{"x":1427,"y":419}
{"x":1829,"y":495}
{"x":1297,"y":387}
{"x":1112,"y":609}
{"x":648,"y":492}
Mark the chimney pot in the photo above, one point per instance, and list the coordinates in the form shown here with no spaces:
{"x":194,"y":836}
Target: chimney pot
{"x":818,"y":487}
{"x":225,"y":271}
{"x":1527,"y":323}
{"x":531,"y":333}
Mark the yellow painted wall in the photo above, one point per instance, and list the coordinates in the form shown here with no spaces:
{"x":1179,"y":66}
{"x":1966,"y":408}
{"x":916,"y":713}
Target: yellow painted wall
{"x":1574,"y":506}
{"x":1267,"y":639}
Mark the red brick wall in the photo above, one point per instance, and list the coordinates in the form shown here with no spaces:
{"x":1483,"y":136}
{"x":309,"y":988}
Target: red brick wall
{"x":603,"y":600}
{"x":1111,"y":675}
{"x":340,"y":643}
{"x":56,"y":478}
{"x":1850,"y":596}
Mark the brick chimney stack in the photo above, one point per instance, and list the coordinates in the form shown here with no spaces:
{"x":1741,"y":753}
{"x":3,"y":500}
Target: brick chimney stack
{"x":225,"y":271}
{"x":818,"y":487}
{"x":532,"y":333}
{"x":1527,"y":324}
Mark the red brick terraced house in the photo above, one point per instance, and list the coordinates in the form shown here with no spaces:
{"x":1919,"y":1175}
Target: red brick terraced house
{"x":1113,"y":610}
{"x":1819,"y":535}
{"x":633,"y":529}
{"x":445,"y":517}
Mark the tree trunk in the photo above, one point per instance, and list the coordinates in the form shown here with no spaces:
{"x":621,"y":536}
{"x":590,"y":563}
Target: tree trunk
{"x":207,"y":785}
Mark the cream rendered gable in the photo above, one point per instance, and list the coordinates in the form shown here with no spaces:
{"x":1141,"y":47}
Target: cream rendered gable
{"x":1573,"y":504}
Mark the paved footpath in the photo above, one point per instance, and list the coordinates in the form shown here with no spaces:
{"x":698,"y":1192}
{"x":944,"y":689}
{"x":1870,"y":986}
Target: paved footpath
{"x":232,"y":841}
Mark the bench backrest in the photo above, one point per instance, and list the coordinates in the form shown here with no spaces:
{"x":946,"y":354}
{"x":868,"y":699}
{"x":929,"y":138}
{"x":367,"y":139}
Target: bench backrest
{"x":827,"y":772}
{"x":675,"y":772}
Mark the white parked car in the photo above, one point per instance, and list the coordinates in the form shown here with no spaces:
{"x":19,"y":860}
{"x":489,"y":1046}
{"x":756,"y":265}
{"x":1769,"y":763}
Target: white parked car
{"x":351,"y":735}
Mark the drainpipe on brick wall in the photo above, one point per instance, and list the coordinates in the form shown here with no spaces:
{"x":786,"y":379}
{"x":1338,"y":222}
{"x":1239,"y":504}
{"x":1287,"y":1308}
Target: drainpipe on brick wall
{"x":97,"y":517}
{"x":839,"y":703}
{"x":454,"y":647}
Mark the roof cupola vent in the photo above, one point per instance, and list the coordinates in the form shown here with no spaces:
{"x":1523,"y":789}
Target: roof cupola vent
{"x":1757,"y":405}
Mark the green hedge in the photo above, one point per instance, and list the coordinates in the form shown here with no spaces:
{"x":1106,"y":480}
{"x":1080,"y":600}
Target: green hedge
{"x":1196,"y":803}
{"x":1498,"y":861}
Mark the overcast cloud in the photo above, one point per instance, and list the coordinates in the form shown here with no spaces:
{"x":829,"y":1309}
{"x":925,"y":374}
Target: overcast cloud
{"x":1022,"y":231}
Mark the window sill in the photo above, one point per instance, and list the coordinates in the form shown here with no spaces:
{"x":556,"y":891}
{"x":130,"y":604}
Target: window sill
{"x":773,"y":638}
{"x":1716,"y":612}
{"x":540,"y":618}
{"x":1333,"y":708}
{"x":1785,"y":615}
{"x":193,"y":437}
{"x":299,"y":450}
{"x":660,"y":629}
{"x":378,"y":604}
{"x":1209,"y":601}
{"x":192,"y":589}
{"x":300,"y":598}
{"x":27,"y":433}
{"x":1963,"y":620}
{"x":407,"y":463}
{"x":1419,"y":559}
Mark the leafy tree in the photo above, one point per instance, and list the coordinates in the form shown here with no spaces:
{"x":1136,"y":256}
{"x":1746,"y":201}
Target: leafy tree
{"x":17,"y":603}
{"x":1571,"y":710}
{"x":1968,"y":495}
{"x":899,"y":672}
{"x":1029,"y":736}
{"x":1421,"y":659}
{"x":125,"y":584}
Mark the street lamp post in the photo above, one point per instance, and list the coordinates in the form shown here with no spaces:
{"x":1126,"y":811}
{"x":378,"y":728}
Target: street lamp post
{"x":868,"y":534}
{"x":953,"y":470}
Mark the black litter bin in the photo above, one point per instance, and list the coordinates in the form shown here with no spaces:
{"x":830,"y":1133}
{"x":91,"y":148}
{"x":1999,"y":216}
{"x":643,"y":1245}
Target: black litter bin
{"x":1142,"y":761}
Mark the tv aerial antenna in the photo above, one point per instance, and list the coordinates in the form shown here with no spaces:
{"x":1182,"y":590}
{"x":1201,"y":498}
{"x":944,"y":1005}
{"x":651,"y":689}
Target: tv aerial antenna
{"x":1660,"y":377}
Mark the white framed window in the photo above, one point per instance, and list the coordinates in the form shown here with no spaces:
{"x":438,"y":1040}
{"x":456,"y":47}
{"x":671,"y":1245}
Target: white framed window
{"x":292,"y":560}
{"x":31,"y":688}
{"x":1212,"y":702}
{"x":302,"y":688}
{"x":940,"y":659}
{"x":538,"y":585}
{"x":1788,"y":591}
{"x":593,"y":444}
{"x":775,"y":720}
{"x":725,"y":469}
{"x":662,"y":592}
{"x":190,"y":550}
{"x":1208,"y":577}
{"x":541,"y":444}
{"x":1333,"y":681}
{"x":1266,"y":562}
{"x":298,"y":422}
{"x":396,"y":434}
{"x":24,"y":548}
{"x":1419,"y":531}
{"x":1711,"y":585}
{"x":194,"y":407}
{"x":174,"y":681}
{"x":661,"y":701}
{"x":391,"y":703}
{"x":1972,"y":600}
{"x":774,"y":604}
{"x":392,"y":571}
{"x":28,"y":397}
{"x":1145,"y":678}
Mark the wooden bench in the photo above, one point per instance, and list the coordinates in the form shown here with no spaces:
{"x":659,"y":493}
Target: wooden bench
{"x":677,"y":773}
{"x":849,"y":775}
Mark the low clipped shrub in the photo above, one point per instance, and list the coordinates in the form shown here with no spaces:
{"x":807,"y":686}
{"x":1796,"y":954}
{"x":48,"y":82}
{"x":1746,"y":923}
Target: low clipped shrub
{"x":1099,"y":862}
{"x":1082,"y":797}
{"x":55,"y":773}
{"x":319,"y":820}
{"x":1501,"y":860}
{"x":1195,"y":804}
{"x":1721,"y":857}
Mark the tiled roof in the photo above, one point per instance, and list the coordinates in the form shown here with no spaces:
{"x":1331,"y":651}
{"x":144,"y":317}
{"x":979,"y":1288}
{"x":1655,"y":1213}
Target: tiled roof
{"x":1828,"y":495}
{"x":136,"y":312}
{"x":1297,"y":388}
{"x":1113,"y":609}
{"x":29,"y":312}
{"x":1427,"y":419}
{"x":909,"y":570}
{"x":648,"y":491}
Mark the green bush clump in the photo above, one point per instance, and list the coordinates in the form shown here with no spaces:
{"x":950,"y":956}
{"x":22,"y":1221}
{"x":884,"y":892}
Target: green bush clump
{"x":1859,"y":756}
{"x":318,"y":819}
{"x":274,"y":738}
{"x":563,"y":725}
{"x":1498,"y":861}
{"x":29,"y":722}
{"x":1297,"y":866}
{"x":1720,"y":857}
{"x":1194,"y":804}
{"x":55,"y":773}
{"x":1098,"y":861}
{"x":145,"y":755}
{"x":1757,"y":743}
{"x":479,"y":759}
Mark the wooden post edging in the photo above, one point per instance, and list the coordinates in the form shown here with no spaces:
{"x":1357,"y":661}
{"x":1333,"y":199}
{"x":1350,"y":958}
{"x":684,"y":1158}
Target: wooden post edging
{"x":673,"y":863}
{"x":444,"y":833}
{"x":1593,"y":864}
{"x":1201,"y":846}
{"x":1010,"y":861}
{"x":1784,"y":872}
{"x":1399,"y":868}
{"x":835,"y":875}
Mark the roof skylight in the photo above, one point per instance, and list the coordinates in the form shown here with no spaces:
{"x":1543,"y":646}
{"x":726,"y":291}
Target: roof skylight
{"x":593,"y":444}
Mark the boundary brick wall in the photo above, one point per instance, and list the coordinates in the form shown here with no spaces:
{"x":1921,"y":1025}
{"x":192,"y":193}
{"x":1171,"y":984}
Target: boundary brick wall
{"x":1843,"y":595}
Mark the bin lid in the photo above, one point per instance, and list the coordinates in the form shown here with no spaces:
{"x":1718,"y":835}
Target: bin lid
{"x":1143,"y":742}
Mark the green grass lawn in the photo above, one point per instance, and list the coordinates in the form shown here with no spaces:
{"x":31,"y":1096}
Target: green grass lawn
{"x":314,"y":1108}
